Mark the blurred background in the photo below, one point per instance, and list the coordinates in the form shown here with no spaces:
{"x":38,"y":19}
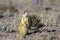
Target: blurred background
{"x":48,"y":12}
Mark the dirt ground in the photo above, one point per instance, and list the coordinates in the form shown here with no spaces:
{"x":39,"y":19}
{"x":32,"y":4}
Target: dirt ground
{"x":47,"y":10}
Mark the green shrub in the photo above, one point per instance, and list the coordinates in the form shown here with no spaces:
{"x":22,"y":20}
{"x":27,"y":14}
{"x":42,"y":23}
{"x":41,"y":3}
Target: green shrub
{"x":33,"y":21}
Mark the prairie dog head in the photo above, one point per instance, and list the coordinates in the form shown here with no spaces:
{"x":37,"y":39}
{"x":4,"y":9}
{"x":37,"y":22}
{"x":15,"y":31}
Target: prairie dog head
{"x":25,"y":17}
{"x":26,"y":13}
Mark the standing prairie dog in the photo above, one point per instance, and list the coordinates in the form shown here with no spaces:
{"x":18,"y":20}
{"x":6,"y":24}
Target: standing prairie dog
{"x":22,"y":27}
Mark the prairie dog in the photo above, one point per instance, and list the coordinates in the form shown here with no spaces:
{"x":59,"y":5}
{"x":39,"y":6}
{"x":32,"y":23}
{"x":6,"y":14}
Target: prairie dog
{"x":22,"y":27}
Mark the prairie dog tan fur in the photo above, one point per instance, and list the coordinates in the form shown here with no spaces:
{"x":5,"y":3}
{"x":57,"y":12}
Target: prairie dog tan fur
{"x":22,"y":27}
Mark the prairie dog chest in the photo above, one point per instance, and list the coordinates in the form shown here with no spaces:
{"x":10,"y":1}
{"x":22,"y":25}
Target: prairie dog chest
{"x":22,"y":28}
